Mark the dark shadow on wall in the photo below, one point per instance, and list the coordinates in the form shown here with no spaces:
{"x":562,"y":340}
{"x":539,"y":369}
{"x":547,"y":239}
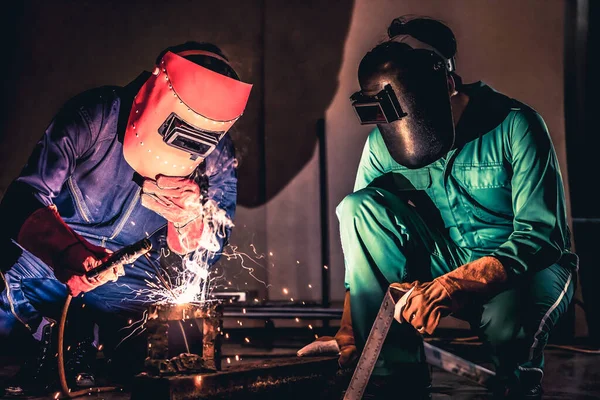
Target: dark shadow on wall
{"x":303,"y":54}
{"x":290,"y":50}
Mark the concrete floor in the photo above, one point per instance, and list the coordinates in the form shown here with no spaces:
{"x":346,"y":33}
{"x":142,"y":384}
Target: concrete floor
{"x":569,"y":375}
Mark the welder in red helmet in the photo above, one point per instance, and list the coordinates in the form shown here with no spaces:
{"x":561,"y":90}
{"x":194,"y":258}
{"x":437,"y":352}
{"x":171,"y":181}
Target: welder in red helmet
{"x":115,"y":165}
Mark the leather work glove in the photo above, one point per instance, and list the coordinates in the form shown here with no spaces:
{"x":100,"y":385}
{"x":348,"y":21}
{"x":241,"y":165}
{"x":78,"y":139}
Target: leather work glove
{"x":179,"y":201}
{"x":342,"y":343}
{"x":449,"y":293}
{"x":48,"y":237}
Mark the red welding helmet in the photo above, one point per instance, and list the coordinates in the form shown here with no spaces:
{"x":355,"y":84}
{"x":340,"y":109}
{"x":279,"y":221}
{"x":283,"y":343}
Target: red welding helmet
{"x":180,"y":114}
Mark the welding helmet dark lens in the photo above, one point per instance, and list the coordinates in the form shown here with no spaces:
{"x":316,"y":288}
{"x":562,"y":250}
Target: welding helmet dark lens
{"x":181,"y":135}
{"x":369,"y":113}
{"x":382,"y":108}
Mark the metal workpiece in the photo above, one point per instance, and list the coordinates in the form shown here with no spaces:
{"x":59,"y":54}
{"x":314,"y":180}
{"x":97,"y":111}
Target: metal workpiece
{"x":166,"y":321}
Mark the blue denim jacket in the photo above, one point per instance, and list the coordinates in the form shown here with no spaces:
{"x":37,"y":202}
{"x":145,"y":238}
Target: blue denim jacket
{"x":78,"y":165}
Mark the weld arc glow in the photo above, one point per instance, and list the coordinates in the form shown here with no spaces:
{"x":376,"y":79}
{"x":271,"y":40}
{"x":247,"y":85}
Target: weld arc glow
{"x":194,"y":282}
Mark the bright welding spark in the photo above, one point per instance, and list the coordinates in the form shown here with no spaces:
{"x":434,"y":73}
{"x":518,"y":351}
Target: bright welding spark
{"x":247,"y":340}
{"x":310,"y":286}
{"x":297,"y":262}
{"x":227,"y":336}
{"x":255,"y":252}
{"x":235,"y":255}
{"x":285,"y":291}
{"x":228,"y":360}
{"x":193,"y":283}
{"x":100,"y":347}
{"x":270,"y":253}
{"x":310,"y":326}
{"x":237,"y":357}
{"x":243,"y":310}
{"x":297,"y":319}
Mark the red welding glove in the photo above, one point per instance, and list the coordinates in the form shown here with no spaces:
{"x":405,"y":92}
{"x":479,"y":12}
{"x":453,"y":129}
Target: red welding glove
{"x":180,"y":202}
{"x":342,"y":343}
{"x":450,"y":292}
{"x":49,"y":238}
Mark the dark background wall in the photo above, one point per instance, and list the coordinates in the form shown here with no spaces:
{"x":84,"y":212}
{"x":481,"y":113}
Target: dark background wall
{"x":582,"y":84}
{"x":302,"y":58}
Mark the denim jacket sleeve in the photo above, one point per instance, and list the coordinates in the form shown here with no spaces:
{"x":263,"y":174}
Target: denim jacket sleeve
{"x":540,"y":232}
{"x":54,"y":157}
{"x":50,"y":164}
{"x":221,"y":172}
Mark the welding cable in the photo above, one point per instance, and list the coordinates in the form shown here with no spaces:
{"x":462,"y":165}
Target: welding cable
{"x":61,"y":361}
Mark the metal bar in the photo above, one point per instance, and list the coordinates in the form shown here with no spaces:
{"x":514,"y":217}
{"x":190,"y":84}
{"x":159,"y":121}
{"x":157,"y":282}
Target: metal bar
{"x":288,"y":309}
{"x":586,"y":220}
{"x":324,"y":207}
{"x":282,"y":315}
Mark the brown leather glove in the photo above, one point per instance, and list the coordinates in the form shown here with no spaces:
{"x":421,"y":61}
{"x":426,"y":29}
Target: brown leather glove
{"x":342,"y":343}
{"x":449,"y":293}
{"x":48,"y":237}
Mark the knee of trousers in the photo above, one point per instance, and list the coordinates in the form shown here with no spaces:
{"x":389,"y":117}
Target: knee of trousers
{"x":369,"y":203}
{"x":367,"y":216}
{"x":501,"y":332}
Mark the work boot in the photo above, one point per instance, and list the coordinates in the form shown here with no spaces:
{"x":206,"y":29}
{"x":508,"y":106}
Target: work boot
{"x":80,"y":363}
{"x":38,"y":374}
{"x":527,"y":386}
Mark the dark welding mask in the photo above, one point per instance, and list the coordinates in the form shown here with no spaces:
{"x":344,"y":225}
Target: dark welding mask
{"x":412,"y":110}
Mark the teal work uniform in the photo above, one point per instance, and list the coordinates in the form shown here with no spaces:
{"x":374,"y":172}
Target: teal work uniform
{"x":498,"y":192}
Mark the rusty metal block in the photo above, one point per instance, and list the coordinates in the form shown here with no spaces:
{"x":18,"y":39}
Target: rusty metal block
{"x":164,"y":361}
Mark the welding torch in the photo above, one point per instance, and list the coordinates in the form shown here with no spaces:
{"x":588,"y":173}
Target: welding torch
{"x":126,"y":255}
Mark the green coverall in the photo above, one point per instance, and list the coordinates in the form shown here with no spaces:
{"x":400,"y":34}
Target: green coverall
{"x":498,"y":192}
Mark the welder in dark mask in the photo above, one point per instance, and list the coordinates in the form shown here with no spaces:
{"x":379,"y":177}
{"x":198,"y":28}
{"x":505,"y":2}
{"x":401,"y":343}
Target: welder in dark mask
{"x":459,"y":196}
{"x":407,"y":94}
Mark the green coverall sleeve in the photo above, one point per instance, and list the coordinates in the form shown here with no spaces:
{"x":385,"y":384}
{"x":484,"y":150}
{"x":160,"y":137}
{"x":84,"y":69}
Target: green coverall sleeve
{"x":540,"y":223}
{"x":369,"y":166}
